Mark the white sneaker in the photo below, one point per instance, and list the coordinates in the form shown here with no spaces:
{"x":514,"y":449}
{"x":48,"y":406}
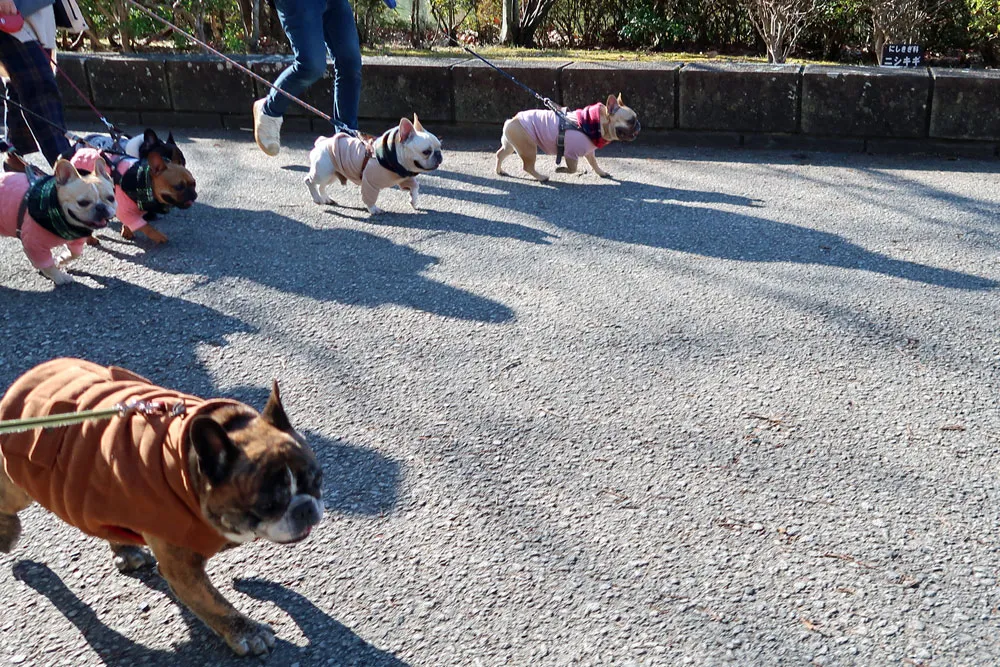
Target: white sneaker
{"x":266,"y":129}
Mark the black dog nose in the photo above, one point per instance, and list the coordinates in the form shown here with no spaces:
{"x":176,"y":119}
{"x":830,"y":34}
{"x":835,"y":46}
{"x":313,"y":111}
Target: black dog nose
{"x":304,"y":513}
{"x":103,"y":211}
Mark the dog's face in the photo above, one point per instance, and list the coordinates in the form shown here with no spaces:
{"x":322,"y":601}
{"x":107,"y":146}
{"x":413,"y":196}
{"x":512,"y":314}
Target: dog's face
{"x":87,"y":202}
{"x":168,"y":150}
{"x":260,"y":478}
{"x":173,"y":184}
{"x":417,"y":149}
{"x":618,"y":122}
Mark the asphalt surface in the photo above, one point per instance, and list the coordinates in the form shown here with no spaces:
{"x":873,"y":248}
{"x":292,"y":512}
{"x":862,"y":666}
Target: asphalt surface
{"x":732,"y":408}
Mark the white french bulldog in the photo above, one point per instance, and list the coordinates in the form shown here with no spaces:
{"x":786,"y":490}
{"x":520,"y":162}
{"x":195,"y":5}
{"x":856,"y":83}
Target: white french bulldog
{"x":395,"y":158}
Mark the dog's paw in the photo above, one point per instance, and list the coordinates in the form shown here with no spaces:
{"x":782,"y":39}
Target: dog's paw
{"x":154,"y":235}
{"x":93,"y":241}
{"x":375,"y":210}
{"x":130,"y":559}
{"x":58,"y":276}
{"x":127,"y":233}
{"x":564,"y":170}
{"x":602,"y":173}
{"x":63,"y":257}
{"x":248,"y":637}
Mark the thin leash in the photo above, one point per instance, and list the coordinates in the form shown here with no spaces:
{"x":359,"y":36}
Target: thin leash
{"x":565,"y":121}
{"x":115,"y":132}
{"x":70,"y":135}
{"x":544,"y":100}
{"x":242,"y":68}
{"x":145,"y":408}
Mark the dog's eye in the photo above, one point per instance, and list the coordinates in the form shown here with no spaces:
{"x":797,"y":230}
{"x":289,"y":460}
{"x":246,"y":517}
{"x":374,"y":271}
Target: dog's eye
{"x":84,"y":202}
{"x":111,"y":198}
{"x":428,"y":152}
{"x":179,"y":188}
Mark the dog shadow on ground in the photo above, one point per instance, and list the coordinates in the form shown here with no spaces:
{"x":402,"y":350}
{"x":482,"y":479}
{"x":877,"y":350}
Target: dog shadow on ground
{"x":327,"y":264}
{"x":328,"y":639}
{"x":660,"y":217}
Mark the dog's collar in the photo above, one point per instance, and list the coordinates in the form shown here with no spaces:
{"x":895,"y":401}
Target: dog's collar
{"x":137,"y":184}
{"x":589,"y":120}
{"x":385,"y":153}
{"x":43,"y":206}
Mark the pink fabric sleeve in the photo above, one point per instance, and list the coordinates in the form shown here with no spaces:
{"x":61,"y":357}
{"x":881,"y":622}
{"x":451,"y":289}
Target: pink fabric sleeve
{"x":38,"y":251}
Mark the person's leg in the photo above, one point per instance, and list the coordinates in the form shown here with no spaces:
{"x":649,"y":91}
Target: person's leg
{"x":33,"y":85}
{"x":302,"y":22}
{"x":341,"y":36}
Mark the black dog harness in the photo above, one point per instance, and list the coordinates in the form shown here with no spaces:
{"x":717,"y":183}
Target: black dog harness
{"x":565,"y":123}
{"x":385,"y":153}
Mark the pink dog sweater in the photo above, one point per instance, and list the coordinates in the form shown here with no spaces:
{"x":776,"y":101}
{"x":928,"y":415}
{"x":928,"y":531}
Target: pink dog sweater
{"x":129,"y":212}
{"x":38,"y":242}
{"x":542,"y":126}
{"x":349,"y":159}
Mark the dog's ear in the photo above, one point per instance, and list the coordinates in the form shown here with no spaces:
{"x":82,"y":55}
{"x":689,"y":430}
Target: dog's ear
{"x":620,"y":103}
{"x":170,"y":139}
{"x":149,"y":139}
{"x":157,"y":165}
{"x":65,"y":172}
{"x":613,"y":103}
{"x":216,"y":452}
{"x":405,"y":129}
{"x":416,"y":124}
{"x":274,"y":411}
{"x":101,"y":169}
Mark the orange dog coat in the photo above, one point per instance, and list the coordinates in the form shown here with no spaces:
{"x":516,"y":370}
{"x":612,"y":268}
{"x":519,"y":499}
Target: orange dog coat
{"x":114,"y":479}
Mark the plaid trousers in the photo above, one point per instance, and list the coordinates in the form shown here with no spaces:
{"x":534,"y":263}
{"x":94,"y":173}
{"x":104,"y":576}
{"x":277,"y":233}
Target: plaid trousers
{"x":32,"y":84}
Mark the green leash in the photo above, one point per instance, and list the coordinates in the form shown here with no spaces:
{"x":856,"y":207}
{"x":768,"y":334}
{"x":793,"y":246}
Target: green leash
{"x":70,"y":418}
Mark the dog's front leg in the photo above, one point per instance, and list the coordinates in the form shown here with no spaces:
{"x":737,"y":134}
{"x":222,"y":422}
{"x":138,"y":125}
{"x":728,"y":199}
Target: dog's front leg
{"x":592,"y":159}
{"x":414,"y":189}
{"x":369,"y":195}
{"x":184,"y":571}
{"x":570,"y":168}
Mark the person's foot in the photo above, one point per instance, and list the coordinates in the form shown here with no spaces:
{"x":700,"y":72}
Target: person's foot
{"x":266,"y":129}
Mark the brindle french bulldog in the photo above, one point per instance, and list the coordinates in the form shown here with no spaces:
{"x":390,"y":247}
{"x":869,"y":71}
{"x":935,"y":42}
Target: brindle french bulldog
{"x":185,"y":476}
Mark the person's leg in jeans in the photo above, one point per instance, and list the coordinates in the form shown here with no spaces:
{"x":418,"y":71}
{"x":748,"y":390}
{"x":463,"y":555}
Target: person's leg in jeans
{"x":33,"y":85}
{"x":302,"y":22}
{"x":341,"y":36}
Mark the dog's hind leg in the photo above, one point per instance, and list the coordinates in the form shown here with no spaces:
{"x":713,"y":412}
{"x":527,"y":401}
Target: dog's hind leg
{"x":506,"y":149}
{"x":12,"y":501}
{"x":129,"y":558}
{"x":518,"y":137}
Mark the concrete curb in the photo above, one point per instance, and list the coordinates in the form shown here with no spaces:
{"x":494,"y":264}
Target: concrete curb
{"x":754,"y":105}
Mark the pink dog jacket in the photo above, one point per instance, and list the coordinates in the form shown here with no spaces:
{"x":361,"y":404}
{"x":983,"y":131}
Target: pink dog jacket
{"x":38,"y":242}
{"x":349,"y":159}
{"x":128,"y":211}
{"x":542,"y":126}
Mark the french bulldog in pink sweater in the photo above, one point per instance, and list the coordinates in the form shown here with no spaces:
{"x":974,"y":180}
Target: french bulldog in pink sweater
{"x":56,"y":211}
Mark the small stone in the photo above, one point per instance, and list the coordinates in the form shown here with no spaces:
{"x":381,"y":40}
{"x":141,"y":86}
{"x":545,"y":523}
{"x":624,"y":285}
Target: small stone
{"x":922,"y":654}
{"x":18,"y":659}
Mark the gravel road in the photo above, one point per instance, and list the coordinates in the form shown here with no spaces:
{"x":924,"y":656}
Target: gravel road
{"x":731,"y":408}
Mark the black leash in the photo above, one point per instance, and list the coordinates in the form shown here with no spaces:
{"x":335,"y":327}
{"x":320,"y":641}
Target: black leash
{"x":565,"y":121}
{"x":70,"y":135}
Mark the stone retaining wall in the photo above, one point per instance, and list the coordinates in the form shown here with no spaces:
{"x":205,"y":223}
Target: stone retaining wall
{"x":853,"y":108}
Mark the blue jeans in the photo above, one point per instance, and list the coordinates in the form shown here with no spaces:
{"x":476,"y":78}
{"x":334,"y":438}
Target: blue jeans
{"x":313,"y":27}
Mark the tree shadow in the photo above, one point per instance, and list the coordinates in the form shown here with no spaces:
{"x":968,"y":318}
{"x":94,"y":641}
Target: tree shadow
{"x":688,"y":221}
{"x":328,"y":638}
{"x":447,"y":221}
{"x":117,"y":323}
{"x":327,"y":264}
